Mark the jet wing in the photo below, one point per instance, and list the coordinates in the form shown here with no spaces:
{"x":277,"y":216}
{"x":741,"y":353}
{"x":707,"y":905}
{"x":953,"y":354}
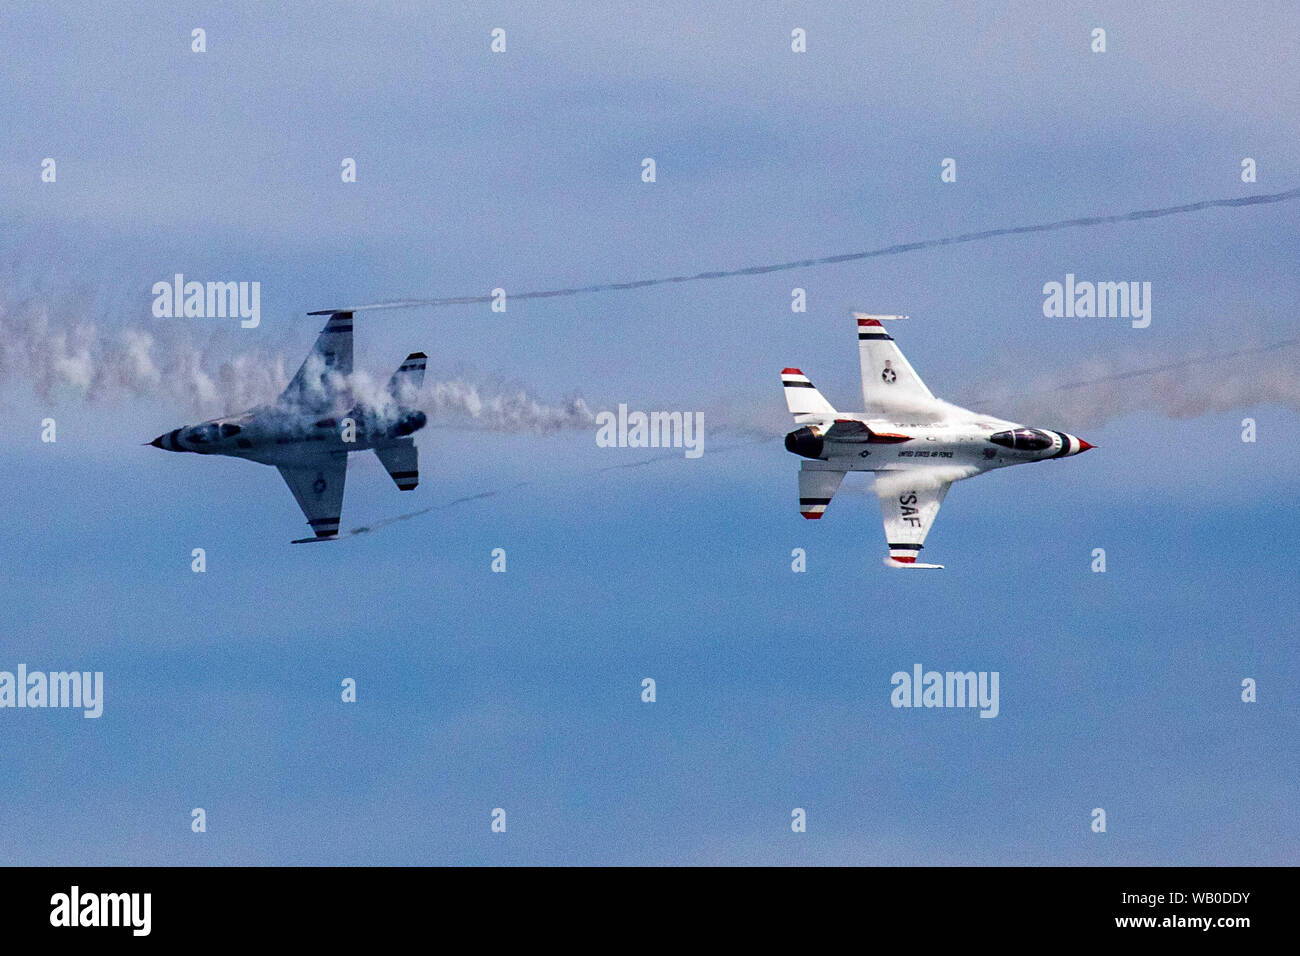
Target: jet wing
{"x":889,"y":383}
{"x":909,"y":503}
{"x":319,"y":491}
{"x":324,"y":372}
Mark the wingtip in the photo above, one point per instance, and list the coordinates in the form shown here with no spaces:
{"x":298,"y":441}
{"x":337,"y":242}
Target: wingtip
{"x":891,"y":563}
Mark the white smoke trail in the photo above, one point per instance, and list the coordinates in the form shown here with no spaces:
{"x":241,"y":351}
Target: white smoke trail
{"x":52,"y":347}
{"x":507,"y":407}
{"x":58,"y":351}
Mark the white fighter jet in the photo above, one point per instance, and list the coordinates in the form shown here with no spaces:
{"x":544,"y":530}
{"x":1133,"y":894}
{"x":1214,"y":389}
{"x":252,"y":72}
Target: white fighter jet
{"x":917,"y":445}
{"x":309,"y":430}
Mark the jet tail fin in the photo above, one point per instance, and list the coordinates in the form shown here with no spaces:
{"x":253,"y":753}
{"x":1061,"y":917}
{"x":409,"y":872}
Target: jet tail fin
{"x":325,"y":370}
{"x":817,"y":486}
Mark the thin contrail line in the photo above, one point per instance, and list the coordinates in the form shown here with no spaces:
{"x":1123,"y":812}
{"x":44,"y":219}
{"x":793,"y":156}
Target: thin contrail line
{"x":1168,"y":367}
{"x":894,"y":250}
{"x":654,"y":459}
{"x":384,"y":522}
{"x":1198,"y":360}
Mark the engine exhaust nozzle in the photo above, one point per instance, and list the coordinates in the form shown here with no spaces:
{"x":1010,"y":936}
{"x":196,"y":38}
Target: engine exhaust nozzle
{"x":805,"y":442}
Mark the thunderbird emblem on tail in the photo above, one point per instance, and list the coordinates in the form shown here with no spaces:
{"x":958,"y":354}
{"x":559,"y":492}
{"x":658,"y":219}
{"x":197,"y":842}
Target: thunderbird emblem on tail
{"x":309,"y":430}
{"x":917,"y":444}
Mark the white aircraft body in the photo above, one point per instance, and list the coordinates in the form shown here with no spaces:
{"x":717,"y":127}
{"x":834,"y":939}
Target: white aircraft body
{"x":308,"y":432}
{"x":916,"y":444}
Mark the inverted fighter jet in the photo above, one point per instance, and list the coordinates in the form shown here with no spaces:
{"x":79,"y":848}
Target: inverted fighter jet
{"x":309,"y":430}
{"x":916,"y":444}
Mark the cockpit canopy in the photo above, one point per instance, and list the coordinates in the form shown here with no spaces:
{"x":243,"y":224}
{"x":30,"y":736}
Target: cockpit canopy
{"x":1023,"y":439}
{"x":210,"y":432}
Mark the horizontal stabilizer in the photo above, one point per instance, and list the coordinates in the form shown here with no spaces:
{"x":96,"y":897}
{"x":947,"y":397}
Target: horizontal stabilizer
{"x":817,"y":486}
{"x":405,"y":384}
{"x":802,"y":398}
{"x":402,"y":462}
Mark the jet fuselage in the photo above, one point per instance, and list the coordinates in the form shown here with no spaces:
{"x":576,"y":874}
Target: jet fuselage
{"x":318,"y":419}
{"x":917,"y":445}
{"x":273,"y":435}
{"x":885,"y":445}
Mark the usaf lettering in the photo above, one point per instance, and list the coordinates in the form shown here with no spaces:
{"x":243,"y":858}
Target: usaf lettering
{"x":909,"y":513}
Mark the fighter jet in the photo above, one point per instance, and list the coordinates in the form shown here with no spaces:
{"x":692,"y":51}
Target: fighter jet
{"x":916,"y":444}
{"x":309,"y":430}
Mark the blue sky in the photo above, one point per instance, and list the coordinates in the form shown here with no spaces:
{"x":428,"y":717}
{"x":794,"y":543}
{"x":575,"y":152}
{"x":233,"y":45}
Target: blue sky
{"x":478,"y":690}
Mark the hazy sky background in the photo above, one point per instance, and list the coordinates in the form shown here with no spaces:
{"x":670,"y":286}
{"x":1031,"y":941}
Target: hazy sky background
{"x":478,"y":690}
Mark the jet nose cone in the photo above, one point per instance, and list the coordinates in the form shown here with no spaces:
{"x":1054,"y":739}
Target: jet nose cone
{"x":168,"y":442}
{"x":1083,"y":445}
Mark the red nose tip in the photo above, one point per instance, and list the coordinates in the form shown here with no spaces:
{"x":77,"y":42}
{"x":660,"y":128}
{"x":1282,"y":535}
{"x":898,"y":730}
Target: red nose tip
{"x":1084,"y":446}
